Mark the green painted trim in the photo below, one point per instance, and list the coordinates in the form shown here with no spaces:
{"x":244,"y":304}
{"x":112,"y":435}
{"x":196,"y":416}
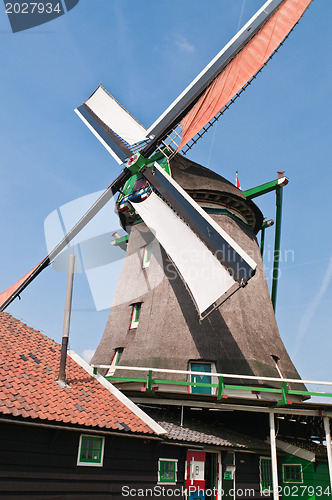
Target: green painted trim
{"x":171,"y":470}
{"x":265,"y":224}
{"x":260,"y":190}
{"x":277,"y":240}
{"x":123,"y":239}
{"x":159,"y":155}
{"x":125,"y":379}
{"x":149,"y":381}
{"x":306,"y":393}
{"x":136,"y":166}
{"x":221,"y":387}
{"x":87,"y":440}
{"x":224,"y":211}
{"x":262,"y":240}
{"x":137,"y":311}
{"x":284,"y":392}
{"x":164,"y":164}
{"x":129,"y":186}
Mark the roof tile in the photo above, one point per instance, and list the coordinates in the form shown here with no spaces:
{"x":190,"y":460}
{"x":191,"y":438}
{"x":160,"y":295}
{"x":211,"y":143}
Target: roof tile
{"x":29,"y":364}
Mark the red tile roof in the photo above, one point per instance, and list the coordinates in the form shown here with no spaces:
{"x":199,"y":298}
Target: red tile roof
{"x":29,"y":366}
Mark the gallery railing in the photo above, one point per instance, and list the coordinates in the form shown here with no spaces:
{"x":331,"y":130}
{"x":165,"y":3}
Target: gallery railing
{"x":218,"y":382}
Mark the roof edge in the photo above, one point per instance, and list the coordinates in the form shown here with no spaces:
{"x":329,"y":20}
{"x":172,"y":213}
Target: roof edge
{"x":156,"y":428}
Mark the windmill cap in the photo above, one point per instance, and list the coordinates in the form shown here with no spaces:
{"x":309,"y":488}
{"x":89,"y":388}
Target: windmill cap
{"x":196,"y":179}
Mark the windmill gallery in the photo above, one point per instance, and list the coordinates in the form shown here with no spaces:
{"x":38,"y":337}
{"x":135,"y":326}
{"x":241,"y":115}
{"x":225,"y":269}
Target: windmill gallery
{"x":183,"y":396}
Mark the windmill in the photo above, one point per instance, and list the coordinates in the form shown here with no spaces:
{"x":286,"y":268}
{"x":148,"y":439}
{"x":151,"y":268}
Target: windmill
{"x":153,"y":186}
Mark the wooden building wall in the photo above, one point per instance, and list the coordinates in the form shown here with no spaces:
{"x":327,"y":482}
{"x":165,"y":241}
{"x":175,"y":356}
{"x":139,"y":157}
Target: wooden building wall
{"x":247,"y":478}
{"x":38,"y":463}
{"x":315,"y":484}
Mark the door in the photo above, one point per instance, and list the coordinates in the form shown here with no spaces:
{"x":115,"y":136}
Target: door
{"x":205,"y":379}
{"x":195,"y":475}
{"x":203,"y":475}
{"x":211,"y":476}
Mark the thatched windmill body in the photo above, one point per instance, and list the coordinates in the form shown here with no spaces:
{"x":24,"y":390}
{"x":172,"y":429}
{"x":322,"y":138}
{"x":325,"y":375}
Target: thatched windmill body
{"x":238,"y":337}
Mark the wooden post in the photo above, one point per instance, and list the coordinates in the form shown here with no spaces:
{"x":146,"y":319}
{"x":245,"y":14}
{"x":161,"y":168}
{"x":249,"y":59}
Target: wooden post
{"x":66,"y":321}
{"x":328,"y":445}
{"x":274,"y":457}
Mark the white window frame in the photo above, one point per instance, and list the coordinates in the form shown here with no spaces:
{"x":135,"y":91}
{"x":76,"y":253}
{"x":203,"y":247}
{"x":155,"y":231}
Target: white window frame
{"x":175,"y":460}
{"x":133,"y":322}
{"x":91,"y":464}
{"x":115,"y":361}
{"x":292,"y":465}
{"x":276,"y":362}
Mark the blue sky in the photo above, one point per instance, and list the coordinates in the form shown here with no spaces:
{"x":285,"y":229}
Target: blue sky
{"x":145,"y":53}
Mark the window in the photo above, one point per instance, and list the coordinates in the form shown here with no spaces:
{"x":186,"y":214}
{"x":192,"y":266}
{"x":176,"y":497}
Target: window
{"x":136,"y":312}
{"x":292,"y":473}
{"x":146,"y":257}
{"x":167,"y":470}
{"x":91,"y":451}
{"x":115,"y":360}
{"x":117,"y":356}
{"x":265,"y":473}
{"x":276,"y":361}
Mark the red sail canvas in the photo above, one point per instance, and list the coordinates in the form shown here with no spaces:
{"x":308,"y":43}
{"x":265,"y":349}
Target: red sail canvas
{"x":242,"y":68}
{"x":4,"y":296}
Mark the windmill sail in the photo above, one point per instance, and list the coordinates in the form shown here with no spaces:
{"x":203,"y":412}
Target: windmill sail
{"x":201,"y":271}
{"x":209,"y":261}
{"x":242,"y":68}
{"x":116,"y":129}
{"x":229,"y":71}
{"x":14,"y":291}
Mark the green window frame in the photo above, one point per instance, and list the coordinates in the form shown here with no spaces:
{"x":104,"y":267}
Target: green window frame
{"x":146,"y":256}
{"x":91,"y":451}
{"x":265,"y":473}
{"x":292,"y":473}
{"x":117,"y":356}
{"x":135,"y":315}
{"x":167,"y":470}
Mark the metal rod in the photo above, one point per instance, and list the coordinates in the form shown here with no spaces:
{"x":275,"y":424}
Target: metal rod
{"x":181,"y":423}
{"x":328,"y":445}
{"x":276,"y":258}
{"x":274,"y":457}
{"x":66,"y":321}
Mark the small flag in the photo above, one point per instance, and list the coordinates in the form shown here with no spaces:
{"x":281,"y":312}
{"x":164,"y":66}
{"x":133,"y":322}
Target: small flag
{"x":237,"y":182}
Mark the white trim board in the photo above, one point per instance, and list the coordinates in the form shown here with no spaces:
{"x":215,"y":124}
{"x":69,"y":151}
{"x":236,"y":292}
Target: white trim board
{"x":296,"y":451}
{"x":156,"y":428}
